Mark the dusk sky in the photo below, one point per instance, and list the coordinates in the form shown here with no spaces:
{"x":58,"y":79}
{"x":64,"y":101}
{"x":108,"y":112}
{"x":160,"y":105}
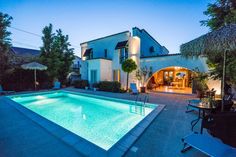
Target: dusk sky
{"x":170,"y":22}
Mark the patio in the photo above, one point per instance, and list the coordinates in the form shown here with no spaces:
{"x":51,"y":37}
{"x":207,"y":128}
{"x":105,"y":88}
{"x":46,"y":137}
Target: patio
{"x":20,"y":136}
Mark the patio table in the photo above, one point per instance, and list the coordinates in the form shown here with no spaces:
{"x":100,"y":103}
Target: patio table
{"x":202,"y":107}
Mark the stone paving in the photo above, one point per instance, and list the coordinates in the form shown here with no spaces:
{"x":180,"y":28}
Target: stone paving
{"x":20,"y":137}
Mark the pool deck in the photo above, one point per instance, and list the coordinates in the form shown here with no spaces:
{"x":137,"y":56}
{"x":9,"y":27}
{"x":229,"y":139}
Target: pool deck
{"x":21,"y":137}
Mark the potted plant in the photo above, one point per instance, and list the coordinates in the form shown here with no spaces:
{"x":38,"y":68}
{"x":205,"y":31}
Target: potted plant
{"x":141,"y":75}
{"x":200,"y":83}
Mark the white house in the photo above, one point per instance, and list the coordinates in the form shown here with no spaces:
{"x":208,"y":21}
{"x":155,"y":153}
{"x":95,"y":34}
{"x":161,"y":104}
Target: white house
{"x":103,"y":57}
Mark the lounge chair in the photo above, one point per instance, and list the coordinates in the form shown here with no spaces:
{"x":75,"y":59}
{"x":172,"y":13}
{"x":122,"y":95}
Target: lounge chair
{"x":133,"y":88}
{"x":57,"y":85}
{"x":208,"y":145}
{"x":4,"y":91}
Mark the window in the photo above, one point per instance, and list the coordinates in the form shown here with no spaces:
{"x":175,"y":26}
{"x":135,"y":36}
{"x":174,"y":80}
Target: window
{"x":151,"y":49}
{"x":123,"y":54}
{"x":93,"y":76}
{"x":116,"y":75}
{"x":105,"y":53}
{"x":90,"y":55}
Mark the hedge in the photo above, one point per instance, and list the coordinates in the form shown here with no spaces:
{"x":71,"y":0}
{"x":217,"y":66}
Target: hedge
{"x":81,"y":84}
{"x":109,"y":86}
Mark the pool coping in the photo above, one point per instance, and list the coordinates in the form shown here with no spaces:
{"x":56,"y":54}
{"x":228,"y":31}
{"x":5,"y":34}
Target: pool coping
{"x":81,"y":144}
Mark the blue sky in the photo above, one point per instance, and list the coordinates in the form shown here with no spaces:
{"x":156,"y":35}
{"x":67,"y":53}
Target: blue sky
{"x":170,"y":22}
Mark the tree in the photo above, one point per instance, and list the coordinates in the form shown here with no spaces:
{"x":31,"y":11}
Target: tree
{"x":221,"y":13}
{"x":66,"y":54}
{"x":49,"y":55}
{"x":56,"y":54}
{"x":5,"y":43}
{"x":128,"y":66}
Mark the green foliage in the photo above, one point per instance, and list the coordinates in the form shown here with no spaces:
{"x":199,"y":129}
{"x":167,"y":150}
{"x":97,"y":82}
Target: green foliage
{"x":128,"y":66}
{"x":141,"y":74}
{"x":5,"y":43}
{"x":222,"y":12}
{"x":109,"y":86}
{"x":200,"y":80}
{"x":81,"y":84}
{"x":56,"y":54}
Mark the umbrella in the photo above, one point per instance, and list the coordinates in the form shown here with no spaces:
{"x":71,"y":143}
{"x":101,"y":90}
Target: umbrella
{"x":34,"y":66}
{"x":219,"y":41}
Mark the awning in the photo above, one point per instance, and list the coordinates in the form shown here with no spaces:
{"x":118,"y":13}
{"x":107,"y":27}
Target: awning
{"x":87,"y":52}
{"x":121,"y":44}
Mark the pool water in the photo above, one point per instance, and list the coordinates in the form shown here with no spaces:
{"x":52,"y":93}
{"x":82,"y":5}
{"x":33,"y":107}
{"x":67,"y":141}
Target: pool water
{"x":102,"y":121}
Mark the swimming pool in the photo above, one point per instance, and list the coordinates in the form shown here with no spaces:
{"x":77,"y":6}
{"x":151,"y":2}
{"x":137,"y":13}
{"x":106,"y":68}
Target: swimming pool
{"x":100,"y":120}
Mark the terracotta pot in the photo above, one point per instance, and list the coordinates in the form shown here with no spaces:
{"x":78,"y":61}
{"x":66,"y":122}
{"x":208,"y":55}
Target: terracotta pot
{"x":143,"y":89}
{"x":199,"y":94}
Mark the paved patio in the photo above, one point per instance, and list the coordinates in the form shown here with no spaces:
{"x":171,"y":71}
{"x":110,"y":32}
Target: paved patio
{"x":162,"y":138}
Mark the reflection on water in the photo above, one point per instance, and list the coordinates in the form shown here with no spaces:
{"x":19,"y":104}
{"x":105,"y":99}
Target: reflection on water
{"x":140,"y":110}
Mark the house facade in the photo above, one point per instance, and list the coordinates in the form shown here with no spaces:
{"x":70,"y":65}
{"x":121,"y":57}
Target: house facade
{"x":103,"y":57}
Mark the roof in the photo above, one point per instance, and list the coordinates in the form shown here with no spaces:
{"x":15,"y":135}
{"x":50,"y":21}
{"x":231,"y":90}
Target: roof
{"x":104,"y":37}
{"x":121,"y":44}
{"x":143,"y":30}
{"x":87,"y":52}
{"x":162,"y":55}
{"x":25,"y":51}
{"x":77,"y":57}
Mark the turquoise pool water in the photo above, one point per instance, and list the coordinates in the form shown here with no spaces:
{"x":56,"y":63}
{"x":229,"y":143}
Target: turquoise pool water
{"x":102,"y":121}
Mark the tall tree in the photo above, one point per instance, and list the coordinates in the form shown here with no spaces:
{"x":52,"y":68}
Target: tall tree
{"x":221,"y":13}
{"x":128,"y":66}
{"x":66,"y":54}
{"x":49,"y":56}
{"x":5,"y":43}
{"x":56,"y":53}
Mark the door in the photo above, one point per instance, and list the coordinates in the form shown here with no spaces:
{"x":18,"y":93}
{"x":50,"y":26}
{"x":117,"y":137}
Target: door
{"x":93,"y":76}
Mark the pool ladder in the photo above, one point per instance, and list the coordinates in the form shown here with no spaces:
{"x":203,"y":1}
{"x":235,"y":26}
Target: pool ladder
{"x":146,"y":98}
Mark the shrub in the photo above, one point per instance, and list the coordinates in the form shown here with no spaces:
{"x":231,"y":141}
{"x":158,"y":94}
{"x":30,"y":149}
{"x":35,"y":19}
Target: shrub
{"x":81,"y":83}
{"x":109,"y":86}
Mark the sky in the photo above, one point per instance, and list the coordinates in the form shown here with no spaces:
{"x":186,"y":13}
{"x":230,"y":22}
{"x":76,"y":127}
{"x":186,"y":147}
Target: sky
{"x":170,"y":22}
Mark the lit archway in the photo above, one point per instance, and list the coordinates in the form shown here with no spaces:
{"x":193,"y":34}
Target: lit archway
{"x":173,"y":79}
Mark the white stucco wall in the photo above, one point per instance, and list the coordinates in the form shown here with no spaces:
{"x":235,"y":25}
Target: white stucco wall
{"x":103,"y":67}
{"x":109,"y":43}
{"x":146,"y":42}
{"x":134,"y":53}
{"x":84,"y":70}
{"x":93,"y":65}
{"x":160,"y":62}
{"x":106,"y":70}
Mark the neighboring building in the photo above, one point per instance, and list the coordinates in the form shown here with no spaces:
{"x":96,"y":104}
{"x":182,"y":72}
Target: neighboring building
{"x":76,"y":69}
{"x":103,"y":57}
{"x":19,"y":55}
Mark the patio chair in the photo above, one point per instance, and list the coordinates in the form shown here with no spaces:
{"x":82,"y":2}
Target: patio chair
{"x":133,"y":88}
{"x":57,"y":85}
{"x":192,"y":101}
{"x":208,"y":145}
{"x":4,"y":91}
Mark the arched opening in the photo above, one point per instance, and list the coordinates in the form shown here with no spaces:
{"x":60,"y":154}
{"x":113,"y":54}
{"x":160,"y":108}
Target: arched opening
{"x":172,"y":79}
